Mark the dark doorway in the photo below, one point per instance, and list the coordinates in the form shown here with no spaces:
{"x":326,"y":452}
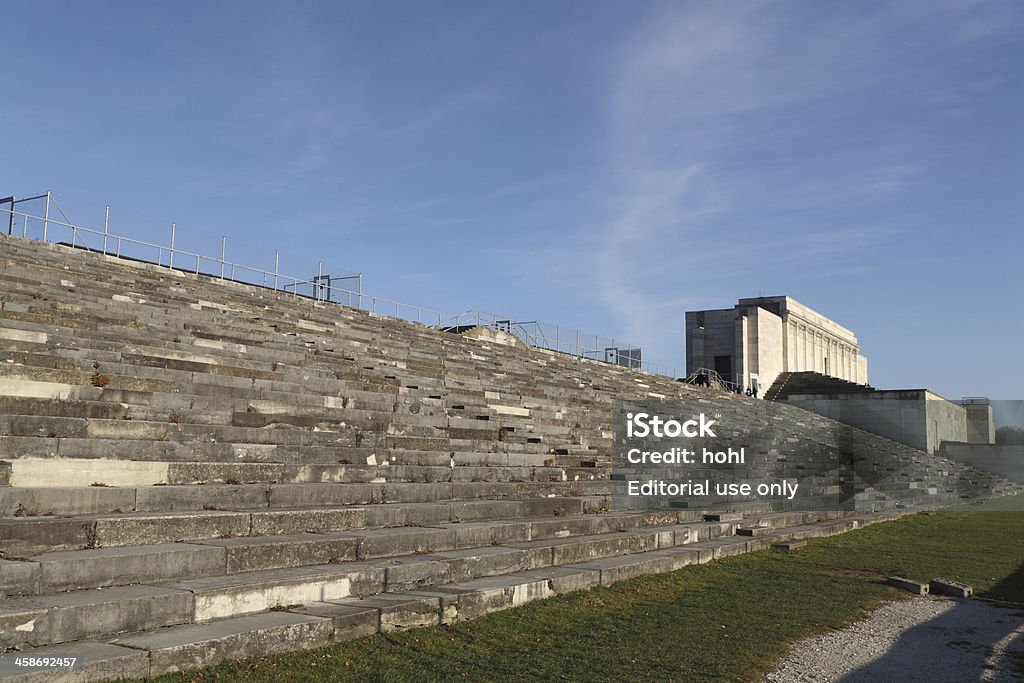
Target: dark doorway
{"x":723,"y":366}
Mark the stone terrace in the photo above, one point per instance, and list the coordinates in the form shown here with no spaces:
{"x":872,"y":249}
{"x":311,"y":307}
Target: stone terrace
{"x":194,"y":469}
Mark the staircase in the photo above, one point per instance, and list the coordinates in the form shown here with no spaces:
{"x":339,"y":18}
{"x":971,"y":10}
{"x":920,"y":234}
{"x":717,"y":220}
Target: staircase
{"x":793,"y":383}
{"x":193,"y":469}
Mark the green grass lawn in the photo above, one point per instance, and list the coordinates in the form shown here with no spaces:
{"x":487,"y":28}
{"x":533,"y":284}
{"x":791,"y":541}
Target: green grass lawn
{"x":724,"y":621}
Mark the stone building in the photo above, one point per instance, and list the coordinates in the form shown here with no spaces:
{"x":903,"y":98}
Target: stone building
{"x":759,"y":338}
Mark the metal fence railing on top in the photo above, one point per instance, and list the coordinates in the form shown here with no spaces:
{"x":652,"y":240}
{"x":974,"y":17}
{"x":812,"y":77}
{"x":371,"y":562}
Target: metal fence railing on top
{"x":320,"y":287}
{"x":555,"y":337}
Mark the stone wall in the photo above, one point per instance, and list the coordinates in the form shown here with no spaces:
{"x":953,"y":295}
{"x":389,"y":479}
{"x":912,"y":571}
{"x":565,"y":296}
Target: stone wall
{"x":981,"y":428}
{"x":916,"y":417}
{"x":1004,"y":461}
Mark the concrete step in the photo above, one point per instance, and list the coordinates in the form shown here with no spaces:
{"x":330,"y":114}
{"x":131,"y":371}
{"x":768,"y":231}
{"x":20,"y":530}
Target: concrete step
{"x":201,"y":622}
{"x":34,"y":471}
{"x":432,"y":555}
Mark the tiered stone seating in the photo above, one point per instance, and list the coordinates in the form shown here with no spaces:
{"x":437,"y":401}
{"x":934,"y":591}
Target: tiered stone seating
{"x":793,"y":383}
{"x":195,"y":469}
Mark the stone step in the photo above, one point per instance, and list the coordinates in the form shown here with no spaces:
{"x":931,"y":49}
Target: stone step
{"x":65,"y":471}
{"x":486,"y":522}
{"x":16,"y":501}
{"x":196,"y":645}
{"x":582,"y":537}
{"x":92,"y":661}
{"x":251,"y":614}
{"x":85,"y":614}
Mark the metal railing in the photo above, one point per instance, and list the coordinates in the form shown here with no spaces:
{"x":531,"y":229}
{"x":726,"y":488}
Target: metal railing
{"x":533,"y":333}
{"x":708,"y":377}
{"x":554,"y":337}
{"x":51,"y":229}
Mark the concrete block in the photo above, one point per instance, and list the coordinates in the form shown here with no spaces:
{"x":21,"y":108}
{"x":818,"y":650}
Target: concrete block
{"x":684,"y":557}
{"x":614,"y":569}
{"x":155,"y":528}
{"x":126,"y":429}
{"x":753,"y":530}
{"x":471,"y":563}
{"x":789,"y":546}
{"x":5,"y":473}
{"x":237,"y":594}
{"x":724,"y":517}
{"x":214,"y":497}
{"x":23,"y":336}
{"x":725,"y":547}
{"x":476,"y":534}
{"x":27,"y":536}
{"x":409,"y":514}
{"x":79,"y":569}
{"x":224,"y":473}
{"x":951,"y":588}
{"x":605,"y":545}
{"x":81,"y":615}
{"x":566,"y":579}
{"x":448,"y":599}
{"x":400,"y":611}
{"x":915,"y":587}
{"x":293,"y":550}
{"x":22,"y":502}
{"x":496,"y":593}
{"x":18,"y":578}
{"x":322,"y":495}
{"x":29,"y":389}
{"x":94,"y":662}
{"x":44,"y":472}
{"x":197,"y":645}
{"x":404,"y":541}
{"x":307,"y":521}
{"x":350,"y":621}
{"x":564,"y":527}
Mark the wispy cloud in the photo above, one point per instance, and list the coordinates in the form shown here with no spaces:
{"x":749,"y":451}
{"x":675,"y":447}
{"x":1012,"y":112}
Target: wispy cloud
{"x":725,"y":118}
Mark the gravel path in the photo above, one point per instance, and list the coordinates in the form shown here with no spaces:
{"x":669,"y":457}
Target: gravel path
{"x":927,"y":639}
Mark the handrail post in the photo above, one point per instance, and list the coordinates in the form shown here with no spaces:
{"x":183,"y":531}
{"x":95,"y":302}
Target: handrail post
{"x":170,"y":260}
{"x":46,"y":215}
{"x":106,"y":228}
{"x":223,"y":247}
{"x":277,"y":261}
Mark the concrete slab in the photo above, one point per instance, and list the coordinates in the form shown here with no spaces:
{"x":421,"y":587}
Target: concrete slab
{"x":293,"y":550}
{"x":401,"y":610}
{"x":18,"y":578}
{"x":77,"y":569}
{"x":237,"y":594}
{"x":43,"y":472}
{"x":949,"y":587}
{"x":81,"y":615}
{"x":196,"y":645}
{"x":311,"y":521}
{"x":909,"y":585}
{"x":93,"y":661}
{"x":350,"y":621}
{"x":155,"y":528}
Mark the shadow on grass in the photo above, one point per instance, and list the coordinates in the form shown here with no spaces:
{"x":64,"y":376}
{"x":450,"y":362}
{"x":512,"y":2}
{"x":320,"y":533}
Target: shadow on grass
{"x":971,"y":641}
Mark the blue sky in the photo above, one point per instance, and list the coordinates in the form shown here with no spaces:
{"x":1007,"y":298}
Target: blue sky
{"x":603,"y":165}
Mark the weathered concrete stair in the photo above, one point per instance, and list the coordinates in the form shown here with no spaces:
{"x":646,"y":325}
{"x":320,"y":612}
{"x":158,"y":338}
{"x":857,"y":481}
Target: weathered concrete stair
{"x":197,"y":622}
{"x":193,"y":469}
